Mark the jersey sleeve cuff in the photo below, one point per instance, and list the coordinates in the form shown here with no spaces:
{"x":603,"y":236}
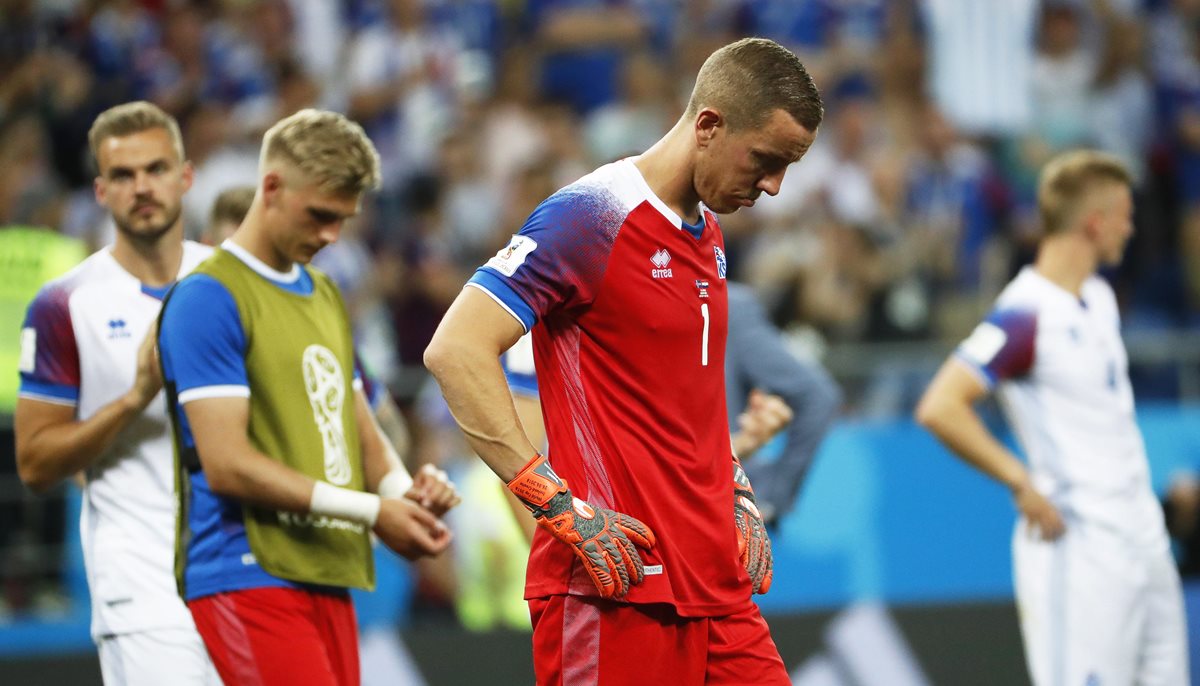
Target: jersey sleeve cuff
{"x":59,"y":394}
{"x":520,"y":385}
{"x":985,"y":377}
{"x":204,"y":392}
{"x":504,"y":295}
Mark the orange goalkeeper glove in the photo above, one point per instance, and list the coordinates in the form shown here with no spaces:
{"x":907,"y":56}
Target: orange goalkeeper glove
{"x":602,"y":539}
{"x":754,"y":547}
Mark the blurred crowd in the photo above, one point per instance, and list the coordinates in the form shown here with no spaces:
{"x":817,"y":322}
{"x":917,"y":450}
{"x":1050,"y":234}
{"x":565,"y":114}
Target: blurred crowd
{"x":914,"y":207}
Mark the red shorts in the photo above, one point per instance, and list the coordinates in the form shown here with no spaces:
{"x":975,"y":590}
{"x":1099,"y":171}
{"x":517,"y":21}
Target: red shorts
{"x":284,"y":636}
{"x":580,"y":640}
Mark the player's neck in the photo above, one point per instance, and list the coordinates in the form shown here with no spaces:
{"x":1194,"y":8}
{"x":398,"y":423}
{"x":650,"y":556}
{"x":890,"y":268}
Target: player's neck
{"x":252,"y":236}
{"x":667,"y":169}
{"x":1065,"y":263}
{"x":154,"y":263}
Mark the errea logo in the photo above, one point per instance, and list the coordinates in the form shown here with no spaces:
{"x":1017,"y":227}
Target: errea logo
{"x":660,"y":259}
{"x":117,"y":329}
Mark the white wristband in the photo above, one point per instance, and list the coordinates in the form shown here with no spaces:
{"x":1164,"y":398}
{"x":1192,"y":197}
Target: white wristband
{"x":395,"y":484}
{"x":344,"y":503}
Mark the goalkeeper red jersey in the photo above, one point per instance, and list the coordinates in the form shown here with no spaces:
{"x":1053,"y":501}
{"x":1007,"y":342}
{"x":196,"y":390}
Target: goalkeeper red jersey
{"x":628,"y":309}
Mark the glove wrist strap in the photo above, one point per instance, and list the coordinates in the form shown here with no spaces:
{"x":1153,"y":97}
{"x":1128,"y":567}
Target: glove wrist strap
{"x":536,"y":484}
{"x":741,"y":482}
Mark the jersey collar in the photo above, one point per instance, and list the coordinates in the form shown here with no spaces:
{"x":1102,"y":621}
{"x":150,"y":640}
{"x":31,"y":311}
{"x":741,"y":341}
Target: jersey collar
{"x":290,"y":276}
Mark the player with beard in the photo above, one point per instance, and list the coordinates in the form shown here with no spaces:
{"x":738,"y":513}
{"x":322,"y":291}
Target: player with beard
{"x":87,"y":403}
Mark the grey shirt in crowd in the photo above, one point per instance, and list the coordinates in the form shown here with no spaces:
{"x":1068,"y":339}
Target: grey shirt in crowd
{"x":756,"y":357}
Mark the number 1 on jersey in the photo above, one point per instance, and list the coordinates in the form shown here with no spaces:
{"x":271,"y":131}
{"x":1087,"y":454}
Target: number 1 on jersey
{"x":704,"y":336}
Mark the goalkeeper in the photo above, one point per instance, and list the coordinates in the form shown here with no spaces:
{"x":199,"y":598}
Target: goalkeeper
{"x":650,"y":544}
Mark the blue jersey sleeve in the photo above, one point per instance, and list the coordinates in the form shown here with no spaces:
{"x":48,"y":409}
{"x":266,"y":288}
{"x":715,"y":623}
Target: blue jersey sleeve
{"x":1002,"y":346}
{"x":557,"y":260}
{"x":372,"y":388}
{"x":517,"y":362}
{"x":201,"y":341}
{"x":49,"y":354}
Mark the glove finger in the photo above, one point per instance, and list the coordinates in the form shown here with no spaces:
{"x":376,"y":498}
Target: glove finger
{"x":636,"y":531}
{"x":746,"y":541}
{"x":615,"y":561}
{"x":743,"y":537}
{"x":768,"y":561}
{"x":754,"y":554}
{"x":631,"y":560}
{"x":769,"y":571}
{"x":598,"y":569}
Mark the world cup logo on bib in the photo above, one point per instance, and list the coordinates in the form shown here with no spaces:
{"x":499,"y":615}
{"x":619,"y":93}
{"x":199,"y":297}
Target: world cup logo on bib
{"x":326,"y":387}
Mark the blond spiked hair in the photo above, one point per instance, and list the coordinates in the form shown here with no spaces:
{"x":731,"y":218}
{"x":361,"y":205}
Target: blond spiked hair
{"x":1068,"y":178}
{"x":327,"y":148}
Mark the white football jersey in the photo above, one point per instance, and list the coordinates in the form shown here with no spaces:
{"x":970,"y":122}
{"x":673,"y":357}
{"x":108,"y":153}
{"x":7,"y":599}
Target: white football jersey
{"x":1061,"y":373}
{"x":81,"y":340}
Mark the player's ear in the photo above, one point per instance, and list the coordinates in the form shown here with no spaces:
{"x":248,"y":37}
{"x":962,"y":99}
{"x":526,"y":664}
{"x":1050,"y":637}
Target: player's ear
{"x":708,"y":123}
{"x":270,"y":187}
{"x":1093,"y":224}
{"x":188,"y":175}
{"x":100,"y":188}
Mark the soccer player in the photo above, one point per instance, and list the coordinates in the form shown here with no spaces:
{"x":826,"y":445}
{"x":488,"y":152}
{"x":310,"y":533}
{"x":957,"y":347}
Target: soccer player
{"x":769,"y":389}
{"x":1099,"y":597}
{"x":282,"y":471}
{"x":89,"y":384}
{"x":635,"y":574}
{"x":227,"y":213}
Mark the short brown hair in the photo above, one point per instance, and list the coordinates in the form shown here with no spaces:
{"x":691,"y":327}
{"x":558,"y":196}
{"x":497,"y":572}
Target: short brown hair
{"x":131,"y":118}
{"x":327,"y":147}
{"x":232,"y":205}
{"x":1067,"y":178}
{"x":749,"y":79}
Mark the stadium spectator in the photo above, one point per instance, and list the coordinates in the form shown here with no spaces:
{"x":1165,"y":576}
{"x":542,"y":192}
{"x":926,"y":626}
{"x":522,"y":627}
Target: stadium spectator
{"x":511,"y":135}
{"x":757,"y":363}
{"x":985,"y":93}
{"x":1090,"y":526}
{"x":220,"y":156}
{"x":279,"y":459}
{"x":473,"y":203}
{"x":625,"y":273}
{"x":1121,"y":114}
{"x":1178,"y":64}
{"x":227,"y":213}
{"x":199,"y":61}
{"x":89,"y":382}
{"x":641,"y":113}
{"x":583,"y":43}
{"x":401,"y":80}
{"x":949,"y":244}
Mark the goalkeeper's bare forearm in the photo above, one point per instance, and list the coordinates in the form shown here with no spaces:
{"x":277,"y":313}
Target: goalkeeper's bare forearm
{"x":464,"y":357}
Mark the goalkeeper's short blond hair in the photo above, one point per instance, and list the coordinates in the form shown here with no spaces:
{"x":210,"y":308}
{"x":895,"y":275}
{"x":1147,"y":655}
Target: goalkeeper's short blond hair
{"x":749,"y":79}
{"x":327,"y":148}
{"x":1068,"y":178}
